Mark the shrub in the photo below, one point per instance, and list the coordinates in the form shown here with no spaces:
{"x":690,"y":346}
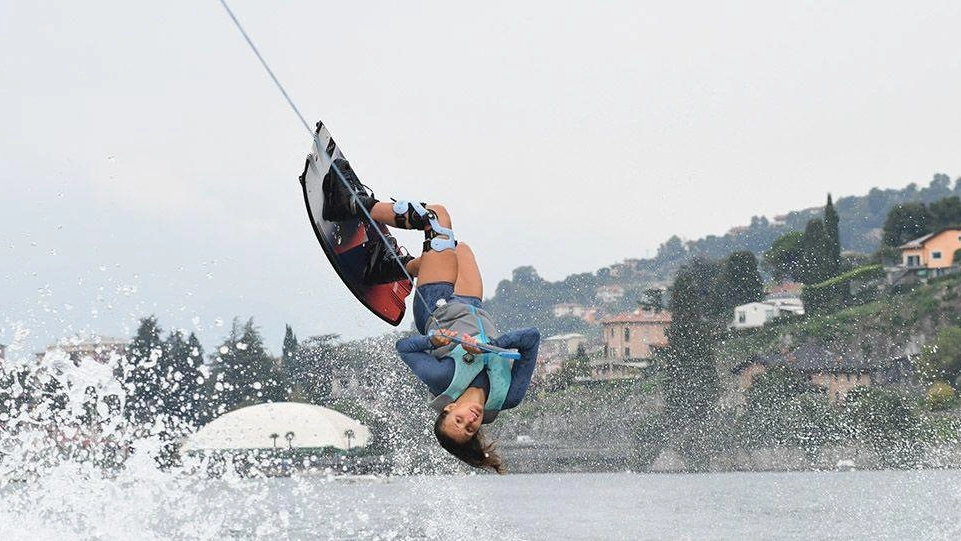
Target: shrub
{"x":941,"y":396}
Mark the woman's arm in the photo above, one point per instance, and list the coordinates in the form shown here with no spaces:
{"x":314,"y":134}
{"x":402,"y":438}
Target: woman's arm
{"x":526,"y":342}
{"x":435,"y":373}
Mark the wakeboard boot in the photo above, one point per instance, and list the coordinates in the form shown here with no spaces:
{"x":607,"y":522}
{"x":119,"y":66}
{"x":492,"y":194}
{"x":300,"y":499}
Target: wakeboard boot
{"x":340,"y":202}
{"x":385,"y":265}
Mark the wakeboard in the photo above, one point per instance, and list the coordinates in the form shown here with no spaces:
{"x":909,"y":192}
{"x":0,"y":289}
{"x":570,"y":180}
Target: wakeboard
{"x":352,"y":245}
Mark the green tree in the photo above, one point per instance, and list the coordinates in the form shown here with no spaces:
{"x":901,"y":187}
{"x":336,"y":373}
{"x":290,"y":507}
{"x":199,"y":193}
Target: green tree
{"x":814,"y":267}
{"x":182,"y":378}
{"x":884,"y":421}
{"x":941,"y":361}
{"x":671,"y":251}
{"x":739,"y":281}
{"x":704,"y":275}
{"x":906,"y":222}
{"x":243,"y":370}
{"x":689,"y":377}
{"x":315,"y":362}
{"x":764,"y":420}
{"x":286,"y":368}
{"x":653,"y":299}
{"x":945,"y":213}
{"x":941,"y":396}
{"x":141,"y":374}
{"x":785,"y":256}
{"x":811,"y":423}
{"x":578,"y":365}
{"x":832,"y":256}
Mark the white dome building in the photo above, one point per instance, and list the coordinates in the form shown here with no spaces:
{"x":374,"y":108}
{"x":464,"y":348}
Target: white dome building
{"x":280,"y":425}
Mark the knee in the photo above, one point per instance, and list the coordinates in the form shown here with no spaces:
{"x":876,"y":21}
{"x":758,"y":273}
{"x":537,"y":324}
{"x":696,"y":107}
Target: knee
{"x":443,"y":217}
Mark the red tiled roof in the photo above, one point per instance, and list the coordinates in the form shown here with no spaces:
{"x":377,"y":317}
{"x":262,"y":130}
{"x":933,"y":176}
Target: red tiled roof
{"x":787,"y":287}
{"x":638,"y":317}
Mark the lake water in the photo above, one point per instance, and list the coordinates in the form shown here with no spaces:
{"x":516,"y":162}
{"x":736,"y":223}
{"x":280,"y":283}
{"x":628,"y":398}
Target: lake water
{"x":803,"y":505}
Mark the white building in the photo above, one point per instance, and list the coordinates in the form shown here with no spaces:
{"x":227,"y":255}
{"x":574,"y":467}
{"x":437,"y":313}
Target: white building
{"x":787,"y":305}
{"x":280,"y":425}
{"x":554,"y":350}
{"x":608,"y":294}
{"x":568,"y":309}
{"x":753,"y":315}
{"x":757,"y":314}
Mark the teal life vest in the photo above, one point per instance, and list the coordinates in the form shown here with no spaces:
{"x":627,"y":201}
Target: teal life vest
{"x":468,"y":365}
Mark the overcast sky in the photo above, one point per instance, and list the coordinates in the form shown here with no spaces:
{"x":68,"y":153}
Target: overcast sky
{"x":148,"y":164}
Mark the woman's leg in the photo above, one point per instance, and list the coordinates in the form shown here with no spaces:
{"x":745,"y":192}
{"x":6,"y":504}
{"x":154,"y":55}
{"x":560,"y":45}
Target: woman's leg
{"x":469,"y":283}
{"x":432,"y":266}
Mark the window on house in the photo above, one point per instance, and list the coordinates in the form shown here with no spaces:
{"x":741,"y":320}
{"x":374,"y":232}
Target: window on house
{"x":627,"y":334}
{"x":627,"y":353}
{"x":935,"y":255}
{"x":741,"y":316}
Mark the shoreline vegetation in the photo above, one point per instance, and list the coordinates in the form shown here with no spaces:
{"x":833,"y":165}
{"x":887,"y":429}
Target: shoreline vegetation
{"x":691,"y":410}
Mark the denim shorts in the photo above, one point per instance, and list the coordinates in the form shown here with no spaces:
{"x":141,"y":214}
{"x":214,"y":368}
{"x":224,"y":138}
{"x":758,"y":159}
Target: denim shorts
{"x":426,"y":297}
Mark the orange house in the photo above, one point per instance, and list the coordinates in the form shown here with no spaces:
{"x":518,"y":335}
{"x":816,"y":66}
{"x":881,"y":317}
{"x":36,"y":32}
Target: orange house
{"x":634,"y":335}
{"x":933,"y":251}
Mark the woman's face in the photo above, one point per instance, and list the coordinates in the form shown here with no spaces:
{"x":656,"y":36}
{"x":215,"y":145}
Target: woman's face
{"x":462,"y":421}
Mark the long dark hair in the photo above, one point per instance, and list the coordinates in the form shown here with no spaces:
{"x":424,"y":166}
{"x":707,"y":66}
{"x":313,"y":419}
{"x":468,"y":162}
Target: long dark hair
{"x":477,"y":451}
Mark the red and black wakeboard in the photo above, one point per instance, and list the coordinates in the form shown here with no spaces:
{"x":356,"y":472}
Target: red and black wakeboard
{"x":350,"y":244}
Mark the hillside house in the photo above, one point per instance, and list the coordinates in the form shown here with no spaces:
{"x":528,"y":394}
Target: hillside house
{"x":568,"y":309}
{"x":630,"y":340}
{"x":757,"y":314}
{"x":791,"y":290}
{"x":554,"y":350}
{"x":934,"y":251}
{"x":835,"y":373}
{"x":609,"y":294}
{"x":100,"y":349}
{"x":925,"y":257}
{"x":753,"y":315}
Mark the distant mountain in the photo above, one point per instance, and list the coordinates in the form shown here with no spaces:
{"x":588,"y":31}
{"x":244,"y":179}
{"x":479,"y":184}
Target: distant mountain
{"x":527,"y":299}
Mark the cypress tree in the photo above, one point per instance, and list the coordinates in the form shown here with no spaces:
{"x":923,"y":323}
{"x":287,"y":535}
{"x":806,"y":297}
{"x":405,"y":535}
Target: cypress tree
{"x":690,"y":382}
{"x":813,"y":266}
{"x":286,"y":371}
{"x":832,"y":240}
{"x":739,"y":281}
{"x":315,"y":366}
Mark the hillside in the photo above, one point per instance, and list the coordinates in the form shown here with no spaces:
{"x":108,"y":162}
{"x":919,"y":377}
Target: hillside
{"x":610,"y":425}
{"x":526,"y":299}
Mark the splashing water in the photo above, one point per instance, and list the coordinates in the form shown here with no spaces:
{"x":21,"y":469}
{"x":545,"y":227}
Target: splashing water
{"x":73,"y":465}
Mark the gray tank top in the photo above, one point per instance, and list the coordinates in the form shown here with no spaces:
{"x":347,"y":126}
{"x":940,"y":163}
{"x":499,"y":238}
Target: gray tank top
{"x":457,"y":316}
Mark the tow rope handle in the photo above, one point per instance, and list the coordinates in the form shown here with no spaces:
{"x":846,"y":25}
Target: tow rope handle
{"x":501,"y":352}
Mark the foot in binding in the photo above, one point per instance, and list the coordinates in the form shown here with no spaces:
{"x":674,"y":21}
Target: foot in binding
{"x":340,"y":201}
{"x":386,"y":265}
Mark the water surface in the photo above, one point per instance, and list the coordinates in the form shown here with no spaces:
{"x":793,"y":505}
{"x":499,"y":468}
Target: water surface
{"x":802,"y":505}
